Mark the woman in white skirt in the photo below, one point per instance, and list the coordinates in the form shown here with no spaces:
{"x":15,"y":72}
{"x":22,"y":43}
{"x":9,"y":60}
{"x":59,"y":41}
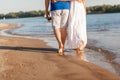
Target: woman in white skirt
{"x":76,"y":31}
{"x":77,"y":36}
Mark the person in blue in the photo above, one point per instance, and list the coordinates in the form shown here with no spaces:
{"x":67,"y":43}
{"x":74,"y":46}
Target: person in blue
{"x":59,"y":15}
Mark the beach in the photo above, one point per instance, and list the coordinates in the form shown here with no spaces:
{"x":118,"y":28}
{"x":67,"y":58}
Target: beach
{"x":33,"y":59}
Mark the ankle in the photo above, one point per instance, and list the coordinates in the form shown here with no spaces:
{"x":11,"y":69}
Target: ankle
{"x":61,"y":46}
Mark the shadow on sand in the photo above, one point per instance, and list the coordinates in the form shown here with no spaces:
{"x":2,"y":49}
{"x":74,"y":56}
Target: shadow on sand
{"x":34,"y":49}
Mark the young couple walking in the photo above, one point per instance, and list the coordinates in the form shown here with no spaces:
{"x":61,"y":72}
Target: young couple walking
{"x":68,"y":20}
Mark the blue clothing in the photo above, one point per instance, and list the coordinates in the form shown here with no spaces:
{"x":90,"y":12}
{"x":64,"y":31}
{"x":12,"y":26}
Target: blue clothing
{"x":59,"y":5}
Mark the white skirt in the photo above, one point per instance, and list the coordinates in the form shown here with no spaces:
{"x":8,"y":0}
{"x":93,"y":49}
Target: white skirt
{"x":76,"y":25}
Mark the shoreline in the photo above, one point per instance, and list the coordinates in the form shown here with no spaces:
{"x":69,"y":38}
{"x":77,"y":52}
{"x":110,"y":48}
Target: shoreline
{"x":110,"y":56}
{"x":7,"y":26}
{"x":100,"y":56}
{"x":32,"y":59}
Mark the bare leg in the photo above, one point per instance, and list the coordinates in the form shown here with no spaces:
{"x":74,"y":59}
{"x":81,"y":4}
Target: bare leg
{"x":57,"y":32}
{"x":63,"y":33}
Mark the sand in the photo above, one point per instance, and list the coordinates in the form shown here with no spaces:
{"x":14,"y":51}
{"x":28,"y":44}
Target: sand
{"x":7,"y":26}
{"x":31,"y":59}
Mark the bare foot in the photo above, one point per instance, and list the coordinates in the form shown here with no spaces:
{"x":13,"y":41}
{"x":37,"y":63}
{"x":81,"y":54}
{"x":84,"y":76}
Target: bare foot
{"x":81,"y":45}
{"x":61,"y":51}
{"x":79,"y":50}
{"x":80,"y":53}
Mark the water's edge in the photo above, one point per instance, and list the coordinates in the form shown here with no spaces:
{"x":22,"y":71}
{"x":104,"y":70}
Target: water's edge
{"x":108,"y":62}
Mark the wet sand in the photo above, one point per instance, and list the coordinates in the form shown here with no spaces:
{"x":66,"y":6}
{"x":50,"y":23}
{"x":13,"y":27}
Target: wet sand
{"x":31,"y":59}
{"x":7,"y":26}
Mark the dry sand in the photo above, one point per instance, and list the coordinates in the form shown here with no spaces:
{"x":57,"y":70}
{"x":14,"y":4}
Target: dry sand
{"x":30,"y":59}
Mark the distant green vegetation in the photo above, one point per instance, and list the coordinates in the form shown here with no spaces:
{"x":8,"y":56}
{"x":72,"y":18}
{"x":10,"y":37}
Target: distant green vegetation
{"x":90,"y":10}
{"x":23,"y":14}
{"x":104,"y":9}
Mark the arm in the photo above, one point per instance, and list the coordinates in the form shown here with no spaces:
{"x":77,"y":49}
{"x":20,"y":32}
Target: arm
{"x":53,"y":1}
{"x":84,"y":3}
{"x":46,"y":9}
{"x":63,"y":0}
{"x":59,"y":0}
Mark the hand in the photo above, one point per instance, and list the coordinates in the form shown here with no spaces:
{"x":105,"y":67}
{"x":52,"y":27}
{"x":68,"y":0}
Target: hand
{"x":53,"y":1}
{"x":48,"y":15}
{"x":79,"y":1}
{"x":73,"y":0}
